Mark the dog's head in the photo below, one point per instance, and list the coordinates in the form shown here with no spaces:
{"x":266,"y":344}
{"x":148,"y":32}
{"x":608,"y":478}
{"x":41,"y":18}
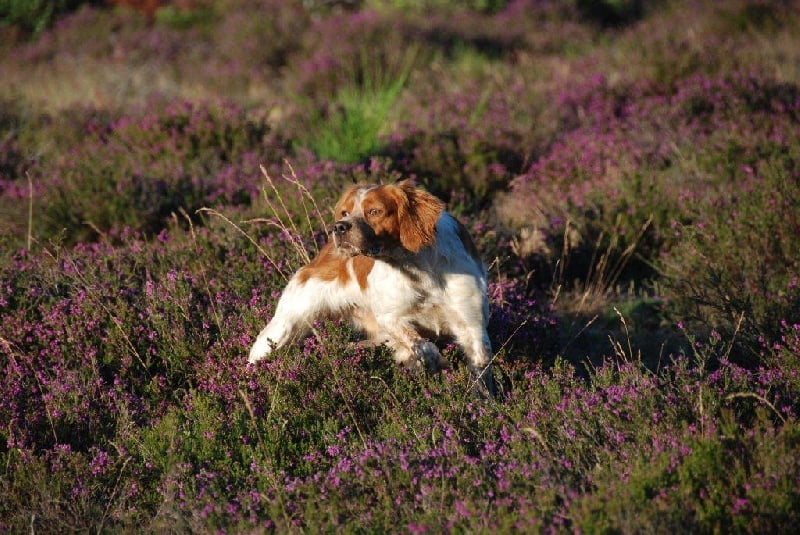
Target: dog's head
{"x":385,"y":220}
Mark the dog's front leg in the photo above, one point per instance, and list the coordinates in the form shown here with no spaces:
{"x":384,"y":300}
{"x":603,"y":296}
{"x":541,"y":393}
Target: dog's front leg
{"x":300,"y":305}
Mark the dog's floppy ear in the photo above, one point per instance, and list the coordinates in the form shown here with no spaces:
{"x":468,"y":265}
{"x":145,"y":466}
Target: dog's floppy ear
{"x":417,"y":213}
{"x":344,"y":200}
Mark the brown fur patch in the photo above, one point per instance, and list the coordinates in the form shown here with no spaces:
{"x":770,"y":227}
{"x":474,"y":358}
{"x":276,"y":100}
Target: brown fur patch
{"x":380,"y":213}
{"x":345,"y":203}
{"x":417,"y":213}
{"x":328,"y":265}
{"x":362,"y":266}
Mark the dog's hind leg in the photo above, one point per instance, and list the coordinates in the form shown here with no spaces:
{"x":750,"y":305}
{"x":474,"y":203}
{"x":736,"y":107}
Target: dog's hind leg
{"x":474,"y":340}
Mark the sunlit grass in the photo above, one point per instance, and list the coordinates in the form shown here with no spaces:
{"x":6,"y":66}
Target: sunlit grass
{"x":360,"y":113}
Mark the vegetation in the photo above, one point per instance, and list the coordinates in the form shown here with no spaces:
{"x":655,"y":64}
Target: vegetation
{"x":629,"y":171}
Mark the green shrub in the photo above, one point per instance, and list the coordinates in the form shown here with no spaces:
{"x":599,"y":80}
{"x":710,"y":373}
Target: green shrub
{"x":735,"y":266}
{"x":709,"y":484}
{"x":137,"y":171}
{"x":359,"y":114}
{"x":350,"y":132}
{"x":36,"y":15}
{"x":183,"y":19}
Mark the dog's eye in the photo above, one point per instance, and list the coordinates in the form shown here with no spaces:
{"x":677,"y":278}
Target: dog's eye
{"x":345,"y":213}
{"x":373,"y":212}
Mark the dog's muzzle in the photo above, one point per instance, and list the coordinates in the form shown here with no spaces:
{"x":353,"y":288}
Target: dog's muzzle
{"x":342,"y":227}
{"x":347,"y":238}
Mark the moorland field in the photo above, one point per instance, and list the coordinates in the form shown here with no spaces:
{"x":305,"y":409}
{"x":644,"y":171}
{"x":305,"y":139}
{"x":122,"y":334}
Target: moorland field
{"x":630,"y":172}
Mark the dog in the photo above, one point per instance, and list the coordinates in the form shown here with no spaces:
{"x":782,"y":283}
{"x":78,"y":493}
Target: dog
{"x":402,"y":270}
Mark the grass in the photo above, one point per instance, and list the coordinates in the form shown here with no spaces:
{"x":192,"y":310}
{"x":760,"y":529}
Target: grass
{"x":359,"y":114}
{"x":630,"y":186}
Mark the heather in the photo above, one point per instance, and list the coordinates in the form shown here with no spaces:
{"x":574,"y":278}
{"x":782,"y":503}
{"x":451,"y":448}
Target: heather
{"x":629,"y":171}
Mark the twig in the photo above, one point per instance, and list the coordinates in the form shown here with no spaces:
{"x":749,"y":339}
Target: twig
{"x":30,"y":210}
{"x":246,"y":235}
{"x":115,"y":319}
{"x":212,"y":301}
{"x":762,"y":399}
{"x":287,"y":227}
{"x":113,"y":495}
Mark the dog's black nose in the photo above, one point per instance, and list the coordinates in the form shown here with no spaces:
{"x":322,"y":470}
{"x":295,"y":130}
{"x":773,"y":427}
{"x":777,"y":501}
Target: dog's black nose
{"x":340,"y":227}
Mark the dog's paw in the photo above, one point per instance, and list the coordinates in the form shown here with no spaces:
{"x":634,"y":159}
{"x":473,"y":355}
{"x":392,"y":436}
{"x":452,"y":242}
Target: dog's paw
{"x":427,"y":354}
{"x":262,"y":347}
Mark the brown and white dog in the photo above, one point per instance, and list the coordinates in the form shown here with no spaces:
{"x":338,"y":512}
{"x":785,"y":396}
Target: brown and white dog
{"x":398,"y":266}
